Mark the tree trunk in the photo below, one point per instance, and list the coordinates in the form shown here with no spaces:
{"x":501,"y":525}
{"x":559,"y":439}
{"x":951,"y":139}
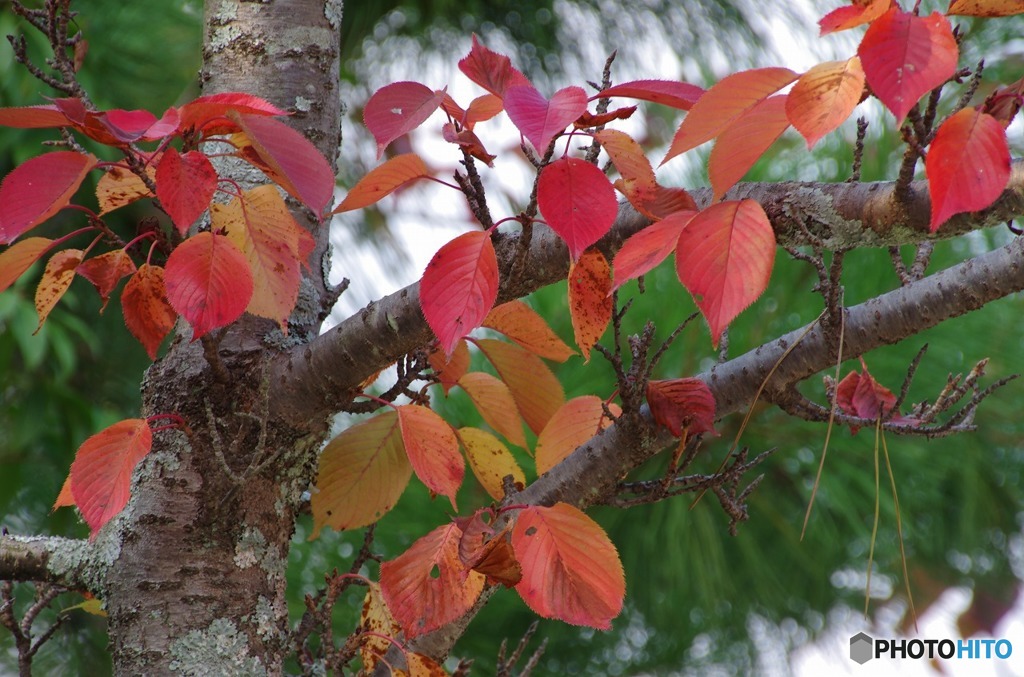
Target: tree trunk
{"x":196,"y":577}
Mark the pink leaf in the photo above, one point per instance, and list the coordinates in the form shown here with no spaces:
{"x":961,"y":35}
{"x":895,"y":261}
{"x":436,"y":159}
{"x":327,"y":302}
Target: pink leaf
{"x":396,"y":109}
{"x":297,"y":165}
{"x":577,"y":201}
{"x":539,"y":119}
{"x":968,"y":165}
{"x":725,"y":258}
{"x":681,"y":95}
{"x":38,"y":188}
{"x":208,"y":282}
{"x":459,"y":287}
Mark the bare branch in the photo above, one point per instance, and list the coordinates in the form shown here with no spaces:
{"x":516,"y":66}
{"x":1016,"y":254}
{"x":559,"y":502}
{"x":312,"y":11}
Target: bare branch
{"x":46,"y":559}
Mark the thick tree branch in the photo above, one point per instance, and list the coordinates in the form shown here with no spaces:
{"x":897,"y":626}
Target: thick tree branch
{"x":47,"y":559}
{"x":314,"y":380}
{"x":595,"y":468}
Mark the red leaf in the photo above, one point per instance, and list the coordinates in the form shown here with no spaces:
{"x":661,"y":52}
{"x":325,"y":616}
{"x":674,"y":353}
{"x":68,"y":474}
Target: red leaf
{"x":492,"y":71}
{"x":383,"y":180}
{"x":862,"y":396}
{"x":539,"y":119}
{"x":57,"y":277}
{"x":208,"y":282}
{"x":263,"y":229}
{"x":33,"y":117}
{"x":147,"y":313}
{"x":208,"y":114}
{"x":724,"y":103}
{"x":101,"y":473}
{"x":522,"y":324}
{"x":644,"y":250}
{"x":968,"y":165}
{"x":19,"y":257}
{"x":859,"y":13}
{"x":127,"y":125}
{"x":577,"y":201}
{"x":470,"y":142}
{"x":906,"y":56}
{"x":362,"y":473}
{"x":433,"y":450}
{"x":590,"y":302}
{"x":537,"y":392}
{"x":494,"y":402}
{"x":742,"y":143}
{"x":38,"y":188}
{"x":725,"y":258}
{"x":571,"y":570}
{"x":106,"y":270}
{"x":459,"y":287}
{"x":296,"y":164}
{"x":575,"y":422}
{"x":667,"y":201}
{"x":681,"y":95}
{"x":396,"y":109}
{"x":486,"y":552}
{"x":986,"y":8}
{"x":682,"y":403}
{"x":824,"y":97}
{"x":428,"y":586}
{"x":185,"y":184}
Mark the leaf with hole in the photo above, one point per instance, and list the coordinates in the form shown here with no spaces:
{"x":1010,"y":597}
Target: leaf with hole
{"x":395,"y":110}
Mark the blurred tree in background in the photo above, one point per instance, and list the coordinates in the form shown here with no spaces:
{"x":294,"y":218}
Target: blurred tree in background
{"x":708,"y":599}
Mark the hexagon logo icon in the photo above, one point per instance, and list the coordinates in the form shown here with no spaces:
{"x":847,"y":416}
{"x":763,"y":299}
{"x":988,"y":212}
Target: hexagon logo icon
{"x":861,"y":646}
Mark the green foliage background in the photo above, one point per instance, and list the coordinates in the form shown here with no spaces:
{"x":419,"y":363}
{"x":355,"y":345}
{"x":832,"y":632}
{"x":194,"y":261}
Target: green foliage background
{"x":697,"y":597}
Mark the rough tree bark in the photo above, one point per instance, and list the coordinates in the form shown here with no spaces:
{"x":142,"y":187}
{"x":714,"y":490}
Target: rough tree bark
{"x":193,"y":570}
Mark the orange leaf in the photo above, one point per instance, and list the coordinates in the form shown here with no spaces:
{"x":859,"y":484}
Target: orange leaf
{"x":459,"y":287}
{"x":724,"y":259}
{"x":64,"y":499}
{"x":571,"y":570}
{"x":208,"y":282}
{"x":377,"y":624}
{"x":682,"y":402}
{"x":490,"y":461}
{"x":858,"y":13}
{"x":577,"y":201}
{"x":986,"y":8}
{"x":57,"y":277}
{"x":147,"y":313}
{"x":101,"y":473}
{"x":428,"y":586}
{"x":968,"y":165}
{"x":119,"y":187}
{"x":537,"y":392}
{"x":263,"y":229}
{"x":824,"y":97}
{"x":362,"y":473}
{"x":450,"y":369}
{"x":106,"y":270}
{"x":494,"y":402}
{"x":38,"y":188}
{"x":423,"y":666}
{"x":743,"y":142}
{"x":185,"y":184}
{"x":382,"y":181}
{"x":522,"y":324}
{"x":572,"y":425}
{"x":19,"y":257}
{"x":433,"y":450}
{"x":724,"y":103}
{"x":645,"y":249}
{"x":906,"y":56}
{"x":632,"y":163}
{"x":590,"y":302}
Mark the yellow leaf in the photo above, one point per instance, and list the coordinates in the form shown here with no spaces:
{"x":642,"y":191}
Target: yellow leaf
{"x":490,"y":460}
